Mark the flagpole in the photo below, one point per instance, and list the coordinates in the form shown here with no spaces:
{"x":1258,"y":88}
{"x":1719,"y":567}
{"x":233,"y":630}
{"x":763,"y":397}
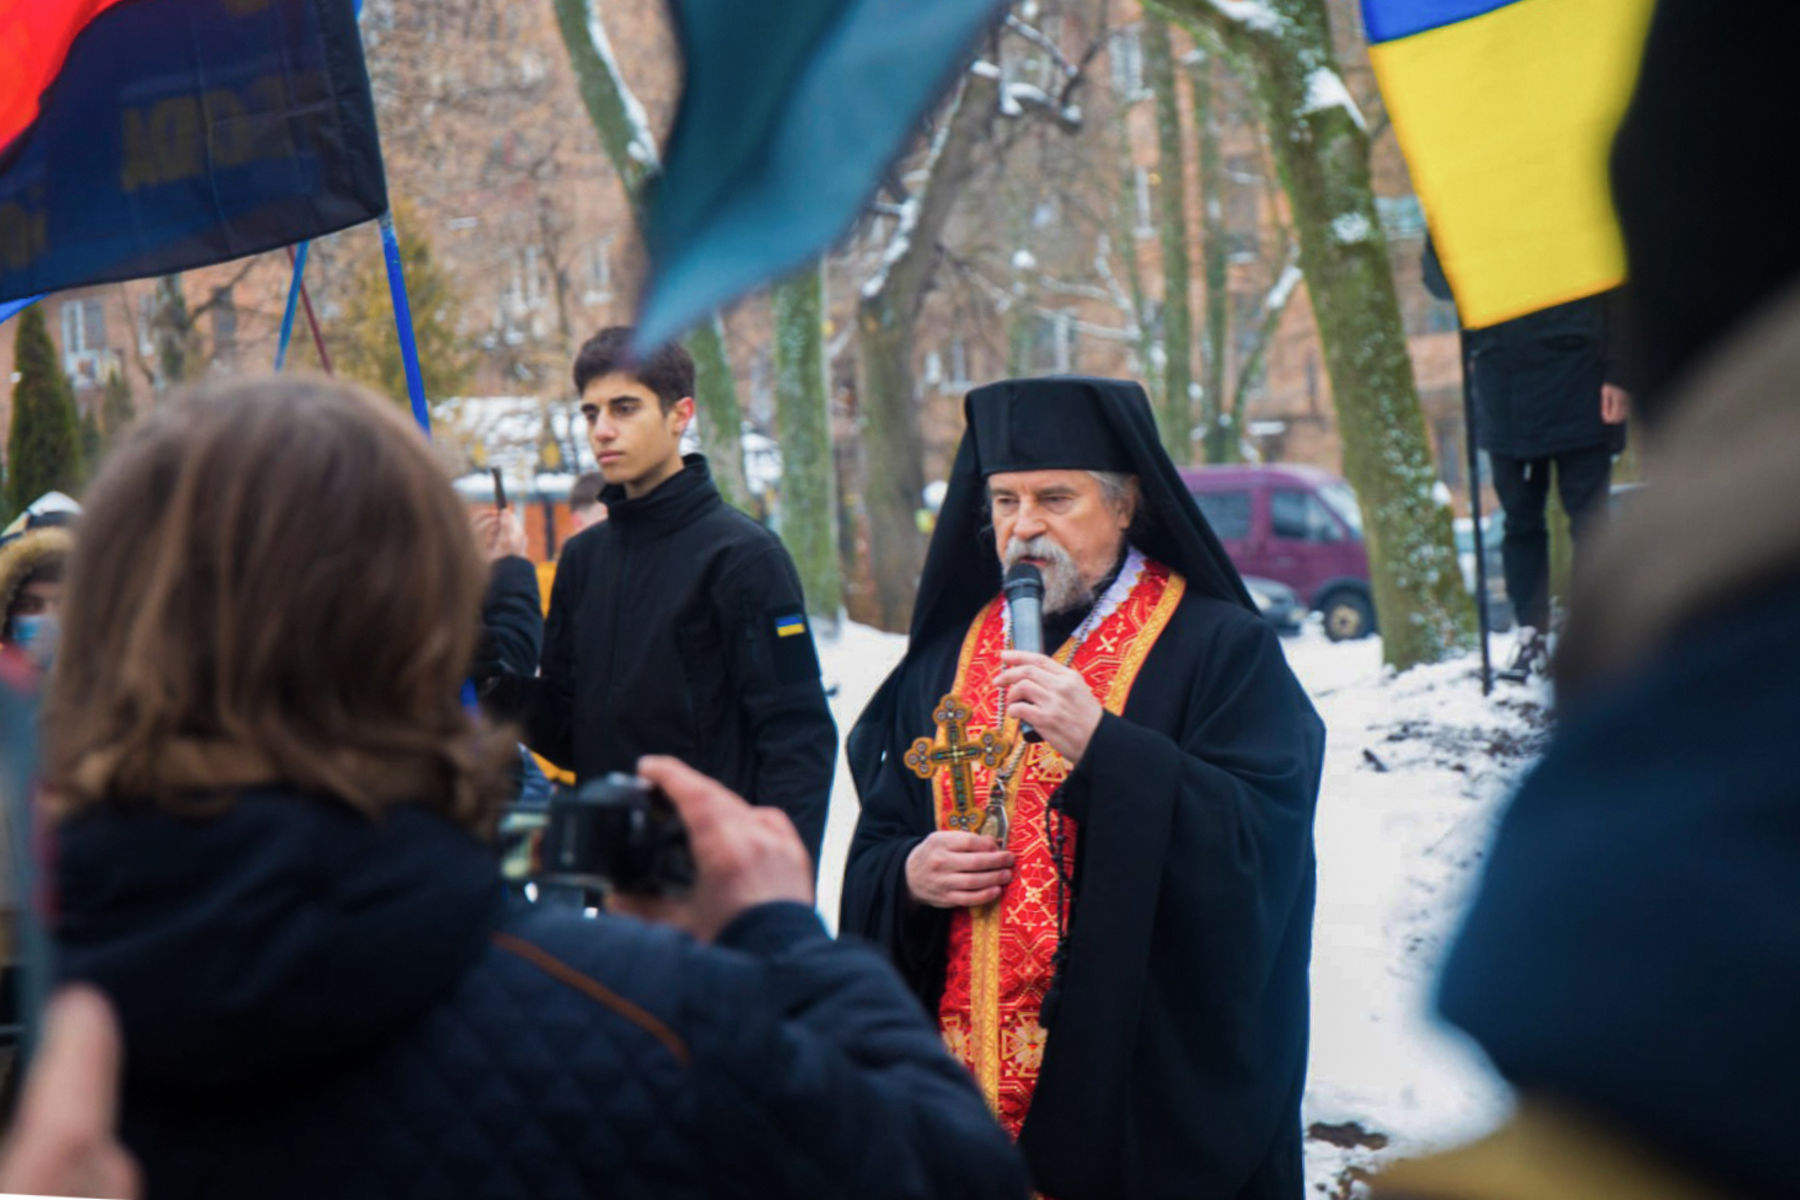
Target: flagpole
{"x":403,"y":324}
{"x":298,"y":258}
{"x":1470,"y":435}
{"x":12,"y":308}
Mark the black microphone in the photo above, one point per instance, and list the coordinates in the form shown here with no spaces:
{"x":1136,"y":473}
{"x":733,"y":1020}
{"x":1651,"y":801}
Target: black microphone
{"x":1023,"y":588}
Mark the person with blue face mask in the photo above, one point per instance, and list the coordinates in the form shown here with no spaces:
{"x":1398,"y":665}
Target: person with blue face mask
{"x":31,"y":586}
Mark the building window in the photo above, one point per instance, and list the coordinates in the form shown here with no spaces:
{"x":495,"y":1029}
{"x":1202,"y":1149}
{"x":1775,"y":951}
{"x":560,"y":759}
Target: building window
{"x":959,"y":367}
{"x":85,"y":356}
{"x":599,"y":285}
{"x":1140,"y":183}
{"x":83,"y":325}
{"x":224,"y":325}
{"x":536,"y":288}
{"x":1127,"y":55}
{"x":1063,"y":342}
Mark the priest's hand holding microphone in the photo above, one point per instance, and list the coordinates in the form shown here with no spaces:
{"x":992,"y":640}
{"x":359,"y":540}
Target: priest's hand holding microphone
{"x":950,"y":869}
{"x":1053,"y":700}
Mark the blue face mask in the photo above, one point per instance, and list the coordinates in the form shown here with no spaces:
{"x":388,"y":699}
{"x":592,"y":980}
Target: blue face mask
{"x":31,"y":633}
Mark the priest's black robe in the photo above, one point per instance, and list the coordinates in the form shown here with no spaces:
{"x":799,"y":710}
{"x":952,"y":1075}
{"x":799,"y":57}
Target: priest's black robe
{"x":1177,"y":1047}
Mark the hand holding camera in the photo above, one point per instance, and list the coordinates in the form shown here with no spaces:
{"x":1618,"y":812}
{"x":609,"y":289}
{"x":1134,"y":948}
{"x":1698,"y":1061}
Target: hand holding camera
{"x":737,"y":856}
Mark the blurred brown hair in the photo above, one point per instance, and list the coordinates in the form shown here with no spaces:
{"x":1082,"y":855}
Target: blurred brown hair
{"x":275,"y":584}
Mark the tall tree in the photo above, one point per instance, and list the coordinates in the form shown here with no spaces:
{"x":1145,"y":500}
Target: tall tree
{"x":364,"y":343}
{"x":803,"y":419}
{"x":1221,"y":440}
{"x":1177,"y":423}
{"x":179,"y":351}
{"x":91,"y":443}
{"x":44,"y":447}
{"x":625,"y":134}
{"x":174,"y":331}
{"x":1321,"y":147}
{"x":116,"y":411}
{"x":887,"y":321}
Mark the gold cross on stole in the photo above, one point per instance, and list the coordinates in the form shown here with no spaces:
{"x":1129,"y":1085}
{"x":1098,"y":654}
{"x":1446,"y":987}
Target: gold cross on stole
{"x":951,"y":749}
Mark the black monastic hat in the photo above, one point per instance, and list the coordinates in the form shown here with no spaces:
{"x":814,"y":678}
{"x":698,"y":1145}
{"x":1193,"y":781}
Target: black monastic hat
{"x":1061,"y":423}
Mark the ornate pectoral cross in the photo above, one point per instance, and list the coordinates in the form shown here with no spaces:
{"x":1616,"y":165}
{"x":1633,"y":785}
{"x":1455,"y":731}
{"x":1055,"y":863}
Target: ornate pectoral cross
{"x":953,"y":750}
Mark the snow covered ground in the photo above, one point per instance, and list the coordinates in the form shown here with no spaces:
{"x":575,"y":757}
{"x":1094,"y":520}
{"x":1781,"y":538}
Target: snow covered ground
{"x":1416,"y":769}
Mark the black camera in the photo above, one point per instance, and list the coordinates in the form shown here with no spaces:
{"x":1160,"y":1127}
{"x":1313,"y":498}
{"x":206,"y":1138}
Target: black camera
{"x":617,"y":834}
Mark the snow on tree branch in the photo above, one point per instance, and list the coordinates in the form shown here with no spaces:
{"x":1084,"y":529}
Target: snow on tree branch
{"x":640,"y":142}
{"x":1120,"y":297}
{"x":1325,"y":90}
{"x":1003,"y":301}
{"x":1251,"y":14}
{"x":1351,"y":228}
{"x":1015,"y":98}
{"x":1044,"y":42}
{"x":897,"y":246}
{"x":1284,"y":288}
{"x":907,"y":222}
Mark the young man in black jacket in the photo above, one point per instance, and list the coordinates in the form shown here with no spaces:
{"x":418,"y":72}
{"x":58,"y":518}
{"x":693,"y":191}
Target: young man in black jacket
{"x":677,"y":626}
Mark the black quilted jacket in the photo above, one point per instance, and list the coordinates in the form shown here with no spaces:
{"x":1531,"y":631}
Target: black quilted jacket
{"x":317,"y":1006}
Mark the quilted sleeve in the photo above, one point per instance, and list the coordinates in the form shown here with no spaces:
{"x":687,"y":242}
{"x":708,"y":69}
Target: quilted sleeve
{"x":821,"y":1075}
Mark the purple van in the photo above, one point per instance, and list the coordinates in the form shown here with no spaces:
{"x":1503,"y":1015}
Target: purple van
{"x":1296,"y":525}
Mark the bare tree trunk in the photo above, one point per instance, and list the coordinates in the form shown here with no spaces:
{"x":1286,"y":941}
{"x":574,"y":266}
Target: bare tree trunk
{"x":1177,"y":422}
{"x":619,"y":120}
{"x":1221,"y":431}
{"x":1321,"y":149}
{"x":1148,"y":346}
{"x":808,"y":471}
{"x":722,"y":419}
{"x":887,"y":321}
{"x":172,"y":332}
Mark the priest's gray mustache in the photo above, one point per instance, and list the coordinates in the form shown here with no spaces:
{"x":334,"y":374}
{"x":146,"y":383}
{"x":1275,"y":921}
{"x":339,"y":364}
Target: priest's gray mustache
{"x":1040,"y":546}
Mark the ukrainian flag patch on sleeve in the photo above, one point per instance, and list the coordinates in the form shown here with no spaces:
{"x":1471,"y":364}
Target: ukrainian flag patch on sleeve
{"x":795,"y":659}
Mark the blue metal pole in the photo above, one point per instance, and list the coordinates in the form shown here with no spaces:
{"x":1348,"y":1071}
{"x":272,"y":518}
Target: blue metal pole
{"x":403,"y":324}
{"x":293,"y":305}
{"x":12,"y":308}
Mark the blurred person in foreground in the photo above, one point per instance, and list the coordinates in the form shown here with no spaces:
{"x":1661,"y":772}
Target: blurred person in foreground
{"x":1632,"y":958}
{"x":1111,"y":924}
{"x":273,"y":860}
{"x":63,"y":1140}
{"x":34,"y":552}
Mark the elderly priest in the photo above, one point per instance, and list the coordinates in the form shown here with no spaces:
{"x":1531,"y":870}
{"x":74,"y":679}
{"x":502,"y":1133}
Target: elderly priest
{"x":1096,"y":865}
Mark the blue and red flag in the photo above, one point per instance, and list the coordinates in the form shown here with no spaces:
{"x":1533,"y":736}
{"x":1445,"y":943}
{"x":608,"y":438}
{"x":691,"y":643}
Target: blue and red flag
{"x":1505,"y":110}
{"x":141,"y":137}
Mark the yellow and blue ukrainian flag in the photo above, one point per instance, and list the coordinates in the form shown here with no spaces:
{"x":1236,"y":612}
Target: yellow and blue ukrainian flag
{"x":1505,"y":111}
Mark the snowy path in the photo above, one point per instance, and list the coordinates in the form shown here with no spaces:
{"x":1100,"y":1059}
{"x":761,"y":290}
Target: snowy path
{"x":1416,"y":768}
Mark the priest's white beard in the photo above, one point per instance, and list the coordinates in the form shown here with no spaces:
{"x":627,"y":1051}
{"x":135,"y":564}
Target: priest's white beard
{"x":1064,"y":588}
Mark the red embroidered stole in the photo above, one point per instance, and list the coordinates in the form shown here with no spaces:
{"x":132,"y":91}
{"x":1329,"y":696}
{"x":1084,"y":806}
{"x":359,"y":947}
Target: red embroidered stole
{"x":1000,"y":956}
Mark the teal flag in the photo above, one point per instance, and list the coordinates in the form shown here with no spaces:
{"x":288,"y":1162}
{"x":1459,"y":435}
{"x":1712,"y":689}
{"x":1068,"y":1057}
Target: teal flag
{"x":789,"y":115}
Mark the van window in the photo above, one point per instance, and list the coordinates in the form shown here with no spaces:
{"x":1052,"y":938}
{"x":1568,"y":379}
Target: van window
{"x":1341,"y":500}
{"x":1301,"y":517}
{"x":1227,"y":512}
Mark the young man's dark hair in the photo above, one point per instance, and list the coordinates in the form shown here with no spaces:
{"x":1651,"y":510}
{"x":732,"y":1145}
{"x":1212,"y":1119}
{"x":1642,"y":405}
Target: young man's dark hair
{"x":668,"y":370}
{"x":676,"y":626}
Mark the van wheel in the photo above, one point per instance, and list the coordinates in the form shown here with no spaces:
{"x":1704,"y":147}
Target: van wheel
{"x":1348,"y":616}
